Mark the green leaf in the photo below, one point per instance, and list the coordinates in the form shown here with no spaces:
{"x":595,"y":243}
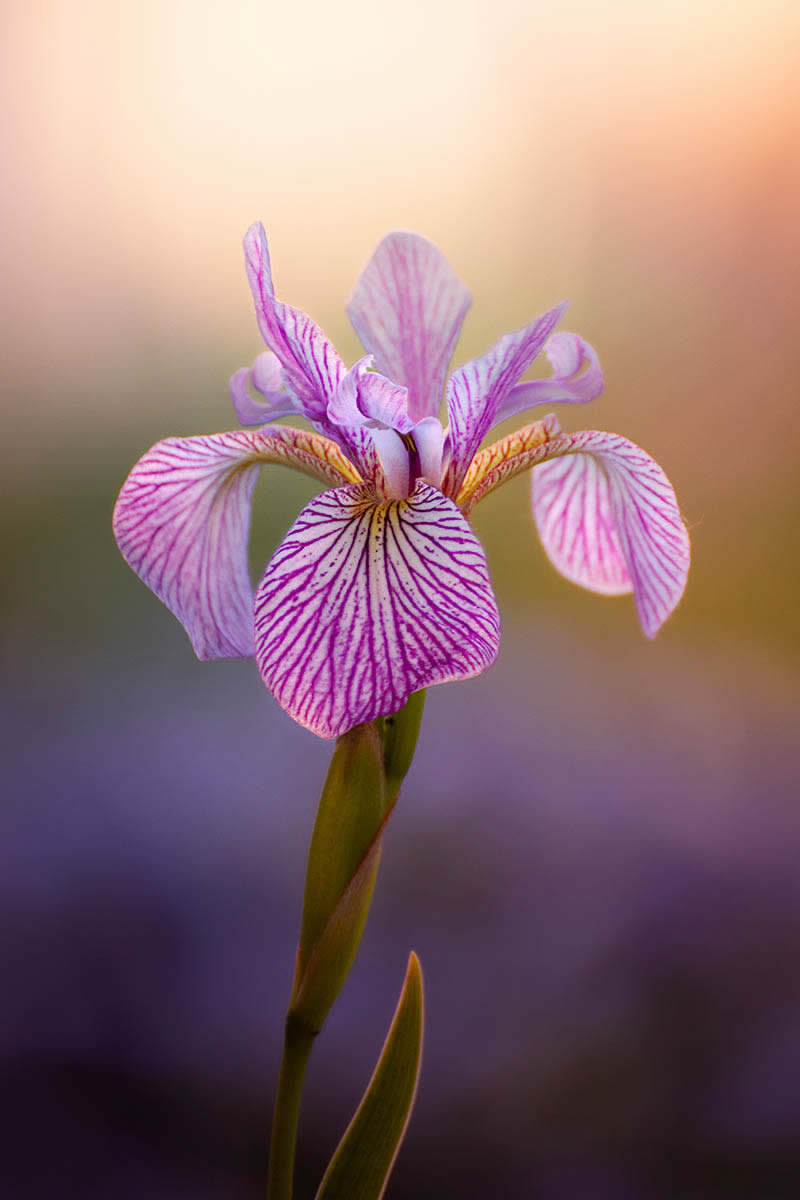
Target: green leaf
{"x":360,"y":1168}
{"x":342,"y":865}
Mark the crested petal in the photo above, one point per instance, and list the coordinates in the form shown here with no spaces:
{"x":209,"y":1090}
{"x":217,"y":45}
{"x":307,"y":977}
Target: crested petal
{"x":182,"y":521}
{"x":576,"y":378}
{"x":312,"y":366}
{"x":477,"y":391}
{"x":609,"y":521}
{"x":407,"y":308}
{"x":365,"y":602}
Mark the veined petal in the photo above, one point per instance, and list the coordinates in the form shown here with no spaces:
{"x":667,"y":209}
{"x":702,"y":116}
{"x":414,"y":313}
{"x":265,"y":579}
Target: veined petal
{"x":384,"y":401}
{"x":577,"y":378}
{"x":609,"y":520}
{"x":365,"y":602}
{"x":477,"y":391}
{"x":343,"y":408}
{"x":605,"y":511}
{"x":182,"y":521}
{"x":312,"y":366}
{"x":407,"y":308}
{"x":502,"y":460}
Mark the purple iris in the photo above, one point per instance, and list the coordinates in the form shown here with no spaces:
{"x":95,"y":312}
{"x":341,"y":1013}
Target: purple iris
{"x":380,"y":587}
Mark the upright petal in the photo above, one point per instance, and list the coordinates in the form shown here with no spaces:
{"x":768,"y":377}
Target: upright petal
{"x":182,"y":521}
{"x":477,"y":391}
{"x":364,"y":603}
{"x":576,"y":378}
{"x":609,"y":521}
{"x":312,"y":366}
{"x":408,"y":308}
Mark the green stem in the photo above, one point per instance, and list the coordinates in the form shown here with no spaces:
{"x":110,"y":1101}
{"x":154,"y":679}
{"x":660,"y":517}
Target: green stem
{"x":368,"y":766}
{"x":296,"y":1049}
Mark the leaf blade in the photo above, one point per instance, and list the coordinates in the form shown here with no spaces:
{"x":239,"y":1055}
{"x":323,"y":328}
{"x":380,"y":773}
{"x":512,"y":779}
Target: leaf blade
{"x":363,"y":1161}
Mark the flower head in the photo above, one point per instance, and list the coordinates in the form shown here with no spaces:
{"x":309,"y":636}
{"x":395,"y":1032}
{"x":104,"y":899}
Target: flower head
{"x":380,"y":587}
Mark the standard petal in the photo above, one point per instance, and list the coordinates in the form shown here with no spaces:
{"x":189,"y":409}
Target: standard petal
{"x":407,"y":309}
{"x":576,"y":378}
{"x":477,"y":391}
{"x":312,"y":366}
{"x":182,"y":522}
{"x":609,"y":521}
{"x":364,"y":603}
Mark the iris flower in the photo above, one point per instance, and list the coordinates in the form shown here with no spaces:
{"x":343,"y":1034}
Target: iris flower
{"x":380,"y":587}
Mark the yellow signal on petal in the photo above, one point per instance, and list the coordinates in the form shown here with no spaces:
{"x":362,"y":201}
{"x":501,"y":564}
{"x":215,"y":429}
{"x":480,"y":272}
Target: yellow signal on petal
{"x":502,"y":460}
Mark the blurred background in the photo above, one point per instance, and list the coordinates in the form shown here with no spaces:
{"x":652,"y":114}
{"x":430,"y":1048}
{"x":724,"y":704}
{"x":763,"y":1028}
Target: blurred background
{"x":595,"y":855}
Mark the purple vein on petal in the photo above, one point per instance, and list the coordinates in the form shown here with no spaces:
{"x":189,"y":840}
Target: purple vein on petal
{"x":476,"y":392}
{"x":182,"y":521}
{"x":407,"y":308}
{"x":364,"y":603}
{"x":609,"y":521}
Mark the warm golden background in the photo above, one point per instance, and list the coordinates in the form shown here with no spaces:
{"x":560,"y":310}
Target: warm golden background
{"x":596,"y":853}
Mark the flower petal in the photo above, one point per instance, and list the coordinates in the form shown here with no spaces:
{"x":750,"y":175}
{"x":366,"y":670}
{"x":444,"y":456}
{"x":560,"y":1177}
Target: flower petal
{"x":266,"y":376}
{"x":570,"y":383}
{"x":384,"y":401}
{"x":365,"y":602}
{"x":609,"y":521}
{"x":407,"y":308}
{"x":182,"y":522}
{"x":364,"y":396}
{"x":477,"y":391}
{"x":312,"y":366}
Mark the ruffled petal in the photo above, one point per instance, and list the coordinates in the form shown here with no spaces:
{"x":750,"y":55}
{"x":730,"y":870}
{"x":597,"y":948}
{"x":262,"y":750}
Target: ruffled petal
{"x":182,"y":521}
{"x":576,"y":378}
{"x":364,"y":603}
{"x":384,"y":401}
{"x":477,"y":391}
{"x":313,"y":368}
{"x":408,"y":308}
{"x":609,"y":521}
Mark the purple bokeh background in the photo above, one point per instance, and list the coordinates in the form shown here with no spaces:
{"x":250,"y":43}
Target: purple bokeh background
{"x":595,"y":854}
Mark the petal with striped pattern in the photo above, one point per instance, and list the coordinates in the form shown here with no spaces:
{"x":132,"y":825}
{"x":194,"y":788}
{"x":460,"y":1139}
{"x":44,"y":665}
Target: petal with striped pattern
{"x":311,"y":365}
{"x":609,"y":521}
{"x":183,"y":517}
{"x":577,"y":377}
{"x":477,"y":391}
{"x":365,"y":602}
{"x":407,"y":308}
